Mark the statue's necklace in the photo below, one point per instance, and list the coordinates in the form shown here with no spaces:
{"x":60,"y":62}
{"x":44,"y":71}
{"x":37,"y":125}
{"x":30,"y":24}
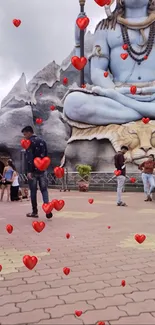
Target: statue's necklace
{"x":148,"y":48}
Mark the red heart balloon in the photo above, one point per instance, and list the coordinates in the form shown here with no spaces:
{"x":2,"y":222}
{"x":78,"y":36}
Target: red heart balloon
{"x":58,"y":205}
{"x":145,"y":57}
{"x":48,"y":250}
{"x":117,"y":172}
{"x":102,"y":3}
{"x":140,"y":238}
{"x":68,"y":235}
{"x":16,"y":22}
{"x":0,"y":268}
{"x":133,"y":180}
{"x":133,"y":90}
{"x":145,"y":120}
{"x":123,"y":283}
{"x":78,"y":63}
{"x":38,"y":226}
{"x":78,"y":313}
{"x":39,"y":121}
{"x":91,"y":201}
{"x":124,"y":56}
{"x":9,"y":229}
{"x":82,"y":22}
{"x":52,"y":108}
{"x":25,"y":143}
{"x":106,"y":73}
{"x":66,"y":270}
{"x":30,"y":261}
{"x":83,"y":86}
{"x":101,"y":323}
{"x":48,"y":207}
{"x":125,"y":47}
{"x":65,"y":81}
{"x":42,"y":163}
{"x":59,"y":172}
{"x":109,"y":227}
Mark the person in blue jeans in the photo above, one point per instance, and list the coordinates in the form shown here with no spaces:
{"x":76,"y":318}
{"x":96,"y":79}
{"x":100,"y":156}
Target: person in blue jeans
{"x":147,"y":169}
{"x":37,"y":148}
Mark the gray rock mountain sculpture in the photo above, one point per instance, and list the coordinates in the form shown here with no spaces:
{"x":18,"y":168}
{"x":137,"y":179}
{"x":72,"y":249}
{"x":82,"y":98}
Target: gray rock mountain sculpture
{"x":26,"y":102}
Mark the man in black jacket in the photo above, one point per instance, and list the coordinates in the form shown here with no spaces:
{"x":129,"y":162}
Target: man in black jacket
{"x":119,"y":161}
{"x":37,"y":148}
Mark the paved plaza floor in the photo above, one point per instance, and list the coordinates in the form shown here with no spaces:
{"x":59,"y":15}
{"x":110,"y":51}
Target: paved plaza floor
{"x":101,"y":252}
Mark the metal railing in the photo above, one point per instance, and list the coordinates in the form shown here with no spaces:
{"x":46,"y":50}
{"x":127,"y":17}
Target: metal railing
{"x":99,"y":181}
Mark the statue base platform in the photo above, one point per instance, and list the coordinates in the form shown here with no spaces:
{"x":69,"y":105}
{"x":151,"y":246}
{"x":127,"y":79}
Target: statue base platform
{"x":97,"y":145}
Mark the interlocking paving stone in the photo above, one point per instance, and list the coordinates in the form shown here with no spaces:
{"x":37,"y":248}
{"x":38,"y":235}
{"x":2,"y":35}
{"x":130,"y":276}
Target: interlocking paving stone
{"x":99,"y":259}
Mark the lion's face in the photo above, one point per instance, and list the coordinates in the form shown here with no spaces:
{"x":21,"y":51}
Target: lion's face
{"x":140,"y":139}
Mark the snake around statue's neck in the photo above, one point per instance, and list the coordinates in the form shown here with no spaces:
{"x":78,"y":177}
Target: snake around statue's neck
{"x":141,"y":25}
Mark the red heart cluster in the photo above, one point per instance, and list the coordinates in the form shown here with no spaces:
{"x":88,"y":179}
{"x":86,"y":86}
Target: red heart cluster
{"x":145,"y":120}
{"x":39,"y":121}
{"x":132,"y":180}
{"x":54,"y":204}
{"x":65,"y":80}
{"x":68,"y":235}
{"x":30,"y":261}
{"x":52,"y":108}
{"x":42,"y":163}
{"x":133,"y":90}
{"x":123,"y":283}
{"x":103,"y":3}
{"x":59,"y":172}
{"x":117,"y":172}
{"x":78,"y":63}
{"x":106,"y":73}
{"x":82,"y":22}
{"x":9,"y":229}
{"x":140,"y":238}
{"x":91,"y":201}
{"x":16,"y":22}
{"x":66,"y":270}
{"x":124,"y":56}
{"x":78,"y":313}
{"x":38,"y":226}
{"x":25,"y":143}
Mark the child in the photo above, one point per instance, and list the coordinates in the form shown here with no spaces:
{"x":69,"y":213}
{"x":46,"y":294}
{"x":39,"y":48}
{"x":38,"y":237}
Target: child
{"x":15,"y":187}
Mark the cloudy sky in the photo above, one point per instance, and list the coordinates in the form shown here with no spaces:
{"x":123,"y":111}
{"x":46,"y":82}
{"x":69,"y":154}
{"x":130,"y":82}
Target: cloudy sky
{"x":46,"y":34}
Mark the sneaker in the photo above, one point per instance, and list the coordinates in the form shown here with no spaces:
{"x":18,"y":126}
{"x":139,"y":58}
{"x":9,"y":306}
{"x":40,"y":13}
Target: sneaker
{"x":121,"y":204}
{"x":49,"y":215}
{"x":32,"y":215}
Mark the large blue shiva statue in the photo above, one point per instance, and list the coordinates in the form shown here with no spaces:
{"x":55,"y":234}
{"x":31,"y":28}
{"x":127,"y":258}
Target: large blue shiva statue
{"x":110,"y":101}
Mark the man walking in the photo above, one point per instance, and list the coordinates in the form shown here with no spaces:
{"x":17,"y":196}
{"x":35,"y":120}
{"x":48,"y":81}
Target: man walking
{"x":37,"y":148}
{"x":120,"y":166}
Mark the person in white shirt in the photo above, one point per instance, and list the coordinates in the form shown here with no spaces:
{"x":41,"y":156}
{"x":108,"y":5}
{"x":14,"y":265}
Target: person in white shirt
{"x":14,"y":193}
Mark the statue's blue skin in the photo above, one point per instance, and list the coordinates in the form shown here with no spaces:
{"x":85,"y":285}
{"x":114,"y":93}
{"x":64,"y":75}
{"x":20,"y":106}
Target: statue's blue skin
{"x":116,"y":104}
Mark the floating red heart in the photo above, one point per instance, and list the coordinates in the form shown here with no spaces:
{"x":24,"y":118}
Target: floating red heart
{"x":39,"y":121}
{"x":65,"y":81}
{"x":117,"y":172}
{"x":42,"y":163}
{"x":52,"y":108}
{"x":66,"y":270}
{"x":68,"y":235}
{"x":132,"y":180}
{"x":78,"y":63}
{"x":25,"y":143}
{"x":83,"y":86}
{"x":125,"y":47}
{"x":140,"y":238}
{"x":133,"y":90}
{"x":9,"y":229}
{"x":59,"y":172}
{"x":16,"y":22}
{"x":82,"y":22}
{"x":91,"y":201}
{"x":102,"y":3}
{"x":109,"y":227}
{"x":145,"y":57}
{"x":78,"y":313}
{"x":48,"y":207}
{"x":30,"y":261}
{"x":58,"y":205}
{"x":0,"y":268}
{"x":123,"y":283}
{"x":124,"y":56}
{"x":38,"y":226}
{"x":101,"y":323}
{"x":145,"y":120}
{"x":106,"y":73}
{"x":48,"y":250}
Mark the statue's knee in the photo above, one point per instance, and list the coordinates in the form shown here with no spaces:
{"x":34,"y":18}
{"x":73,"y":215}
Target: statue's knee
{"x":72,"y":104}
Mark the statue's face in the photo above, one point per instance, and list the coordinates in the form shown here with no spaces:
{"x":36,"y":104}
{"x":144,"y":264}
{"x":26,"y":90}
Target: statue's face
{"x":136,"y":3}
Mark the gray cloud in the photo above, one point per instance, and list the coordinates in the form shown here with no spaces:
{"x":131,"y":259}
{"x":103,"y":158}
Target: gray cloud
{"x":46,"y":33}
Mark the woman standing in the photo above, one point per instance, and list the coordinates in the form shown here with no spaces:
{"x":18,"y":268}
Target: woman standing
{"x":147,"y":168}
{"x":14,"y":193}
{"x":7,"y":179}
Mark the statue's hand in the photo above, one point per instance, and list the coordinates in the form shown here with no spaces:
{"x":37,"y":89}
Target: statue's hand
{"x":77,"y":29}
{"x":103,"y":91}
